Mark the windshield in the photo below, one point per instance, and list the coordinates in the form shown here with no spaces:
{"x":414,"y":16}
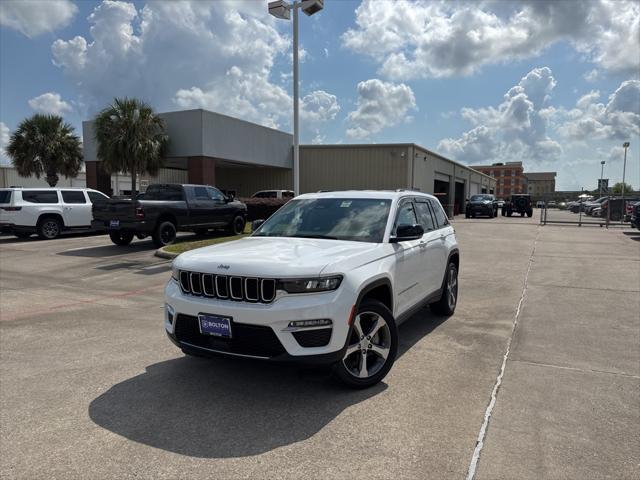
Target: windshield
{"x":357,"y":219}
{"x":480,"y":198}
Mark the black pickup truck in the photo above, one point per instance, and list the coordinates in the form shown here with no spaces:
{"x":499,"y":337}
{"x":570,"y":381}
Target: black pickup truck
{"x":166,"y":209}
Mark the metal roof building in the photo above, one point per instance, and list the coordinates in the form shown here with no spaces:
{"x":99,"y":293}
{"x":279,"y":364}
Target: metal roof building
{"x":244,"y":157}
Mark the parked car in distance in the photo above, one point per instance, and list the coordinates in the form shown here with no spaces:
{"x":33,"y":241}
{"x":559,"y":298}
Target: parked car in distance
{"x":47,"y":211}
{"x":500,"y":203}
{"x":562,"y":205}
{"x":273,"y":194}
{"x":327,"y":280}
{"x":167,"y":209}
{"x":540,"y":204}
{"x":519,"y":203}
{"x":552,"y":204}
{"x":482,"y":204}
{"x":590,"y":205}
{"x":615,"y":208}
{"x":635,"y":215}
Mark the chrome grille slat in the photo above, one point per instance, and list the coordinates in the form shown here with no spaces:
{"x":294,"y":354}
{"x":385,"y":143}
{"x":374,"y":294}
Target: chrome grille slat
{"x":208,"y":280}
{"x":269,"y":293}
{"x":235,"y":288}
{"x":222,"y":286}
{"x":195,"y":280}
{"x":228,"y":287}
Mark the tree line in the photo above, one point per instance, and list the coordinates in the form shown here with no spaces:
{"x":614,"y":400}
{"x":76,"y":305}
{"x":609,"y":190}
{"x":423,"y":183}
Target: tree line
{"x":131,"y":138}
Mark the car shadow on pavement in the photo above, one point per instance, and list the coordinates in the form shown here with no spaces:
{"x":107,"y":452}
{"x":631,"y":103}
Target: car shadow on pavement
{"x":225,"y":407}
{"x":633,"y":235}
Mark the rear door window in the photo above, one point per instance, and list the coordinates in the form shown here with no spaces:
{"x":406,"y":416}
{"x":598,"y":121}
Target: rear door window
{"x":424,"y":216}
{"x":440,"y":216}
{"x":164,"y":192}
{"x":40,"y":196}
{"x":5,"y":196}
{"x":71,"y":196}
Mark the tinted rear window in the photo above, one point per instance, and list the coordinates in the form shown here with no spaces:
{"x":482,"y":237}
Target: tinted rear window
{"x":5,"y":196}
{"x":164,"y":192}
{"x":96,"y":197}
{"x":40,"y":196}
{"x":69,"y":196}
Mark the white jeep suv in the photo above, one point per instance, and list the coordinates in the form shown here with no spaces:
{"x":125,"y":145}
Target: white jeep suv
{"x":327,"y":279}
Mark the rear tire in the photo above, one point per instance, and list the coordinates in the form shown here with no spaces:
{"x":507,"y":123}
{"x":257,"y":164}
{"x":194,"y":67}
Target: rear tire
{"x":164,"y":234}
{"x":449,"y":299}
{"x":49,"y":228}
{"x":372,"y":346}
{"x":120,"y":238}
{"x":236,"y":227}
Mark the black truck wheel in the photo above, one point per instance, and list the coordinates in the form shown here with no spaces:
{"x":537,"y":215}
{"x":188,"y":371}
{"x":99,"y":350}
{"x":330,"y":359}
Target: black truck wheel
{"x":164,"y":234}
{"x":120,"y":238}
{"x":236,"y":227}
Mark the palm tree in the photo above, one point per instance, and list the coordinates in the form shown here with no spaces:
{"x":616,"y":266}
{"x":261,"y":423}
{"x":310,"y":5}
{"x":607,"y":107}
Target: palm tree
{"x":45,"y":144}
{"x":131,"y":138}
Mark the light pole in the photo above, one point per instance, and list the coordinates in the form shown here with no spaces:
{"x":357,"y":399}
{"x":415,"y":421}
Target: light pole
{"x":624,"y":169}
{"x":282,"y":10}
{"x":601,"y":175}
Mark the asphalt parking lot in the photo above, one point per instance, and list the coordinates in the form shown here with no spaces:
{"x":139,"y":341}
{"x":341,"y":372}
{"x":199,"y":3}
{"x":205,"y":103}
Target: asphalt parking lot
{"x":90,"y":387}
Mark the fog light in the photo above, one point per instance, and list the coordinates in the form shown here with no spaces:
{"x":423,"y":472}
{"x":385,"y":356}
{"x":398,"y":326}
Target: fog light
{"x":323,"y":322}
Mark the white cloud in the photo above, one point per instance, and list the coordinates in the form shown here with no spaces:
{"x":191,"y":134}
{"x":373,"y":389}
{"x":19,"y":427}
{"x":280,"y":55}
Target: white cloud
{"x":619,"y":119}
{"x":319,"y":106}
{"x":51,"y":103}
{"x":592,"y":75}
{"x":34,"y":17}
{"x":4,"y":141}
{"x":318,"y":139}
{"x":419,"y":39}
{"x":515,"y":129}
{"x":379,"y":105}
{"x":217,"y":55}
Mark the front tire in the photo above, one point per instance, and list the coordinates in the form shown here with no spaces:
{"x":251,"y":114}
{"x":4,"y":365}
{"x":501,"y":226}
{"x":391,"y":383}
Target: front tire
{"x":121,"y":238}
{"x":49,"y":228}
{"x":371,"y":348}
{"x":449,"y":299}
{"x":164,"y":234}
{"x":236,"y":227}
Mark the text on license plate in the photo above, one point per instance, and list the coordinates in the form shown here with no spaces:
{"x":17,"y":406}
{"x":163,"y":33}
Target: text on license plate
{"x":215,"y":325}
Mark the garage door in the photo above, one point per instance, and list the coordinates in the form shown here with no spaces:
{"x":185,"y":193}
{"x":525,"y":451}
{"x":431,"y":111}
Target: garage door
{"x":474,"y":188}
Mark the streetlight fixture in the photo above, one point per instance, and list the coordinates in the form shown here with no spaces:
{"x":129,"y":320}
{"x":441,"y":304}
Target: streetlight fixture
{"x":282,"y":10}
{"x":625,"y":145}
{"x":601,"y":175}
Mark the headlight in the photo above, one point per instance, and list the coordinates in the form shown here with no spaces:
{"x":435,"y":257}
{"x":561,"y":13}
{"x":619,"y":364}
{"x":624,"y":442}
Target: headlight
{"x":175,"y":273}
{"x":310,"y":285}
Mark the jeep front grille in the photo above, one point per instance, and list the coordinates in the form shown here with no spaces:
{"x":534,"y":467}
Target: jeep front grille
{"x":228,"y":287}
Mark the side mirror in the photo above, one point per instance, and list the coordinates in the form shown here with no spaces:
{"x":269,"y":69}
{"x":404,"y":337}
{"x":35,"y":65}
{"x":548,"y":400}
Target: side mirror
{"x":406,"y":232}
{"x":256,"y":224}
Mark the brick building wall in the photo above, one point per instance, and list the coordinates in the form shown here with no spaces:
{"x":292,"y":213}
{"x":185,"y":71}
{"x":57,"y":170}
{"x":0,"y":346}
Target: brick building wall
{"x":509,"y":177}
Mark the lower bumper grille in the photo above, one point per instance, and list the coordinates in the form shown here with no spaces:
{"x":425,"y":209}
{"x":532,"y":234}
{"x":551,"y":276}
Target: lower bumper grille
{"x":253,"y":340}
{"x":313,"y":338}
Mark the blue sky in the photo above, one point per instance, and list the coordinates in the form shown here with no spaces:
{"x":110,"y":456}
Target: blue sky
{"x":553,"y":84}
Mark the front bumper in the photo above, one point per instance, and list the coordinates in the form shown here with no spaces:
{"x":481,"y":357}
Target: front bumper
{"x":261,"y":330}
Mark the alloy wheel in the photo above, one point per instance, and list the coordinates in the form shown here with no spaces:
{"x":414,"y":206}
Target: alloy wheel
{"x":452,"y":288}
{"x":369,"y":345}
{"x":50,"y":228}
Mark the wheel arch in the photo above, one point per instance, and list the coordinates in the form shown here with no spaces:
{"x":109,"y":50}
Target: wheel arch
{"x":381,"y":290}
{"x":167,"y":217}
{"x":45,"y":215}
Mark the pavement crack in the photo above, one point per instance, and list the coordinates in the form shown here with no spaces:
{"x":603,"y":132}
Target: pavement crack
{"x":475,"y":458}
{"x":577,"y":369}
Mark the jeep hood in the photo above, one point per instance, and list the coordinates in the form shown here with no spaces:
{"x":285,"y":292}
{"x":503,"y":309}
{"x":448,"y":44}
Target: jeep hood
{"x":279,"y":257}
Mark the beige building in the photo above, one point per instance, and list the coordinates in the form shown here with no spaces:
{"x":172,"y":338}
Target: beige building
{"x":540,"y":184}
{"x":242,"y":157}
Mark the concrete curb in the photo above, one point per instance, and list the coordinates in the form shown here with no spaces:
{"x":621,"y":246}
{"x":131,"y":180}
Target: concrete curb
{"x":164,"y":254}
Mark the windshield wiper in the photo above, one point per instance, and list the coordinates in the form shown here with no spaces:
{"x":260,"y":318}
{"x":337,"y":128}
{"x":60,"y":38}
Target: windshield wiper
{"x":324,"y":237}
